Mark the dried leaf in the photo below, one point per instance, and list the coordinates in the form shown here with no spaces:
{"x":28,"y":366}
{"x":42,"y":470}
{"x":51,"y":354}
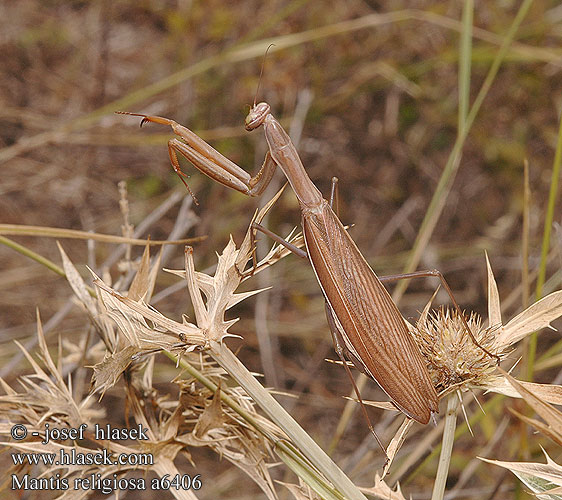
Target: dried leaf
{"x":110,"y":369}
{"x":498,"y":383}
{"x":539,"y":426}
{"x":541,"y":479}
{"x":195,"y":284}
{"x":45,"y":395}
{"x":45,"y":355}
{"x":77,"y":283}
{"x":153,"y":275}
{"x":170,"y":427}
{"x":211,"y":418}
{"x":129,"y":316}
{"x":425,"y":313}
{"x":384,"y":405}
{"x":395,"y":444}
{"x":219,"y":292}
{"x":494,"y":308}
{"x":242,"y":447}
{"x":52,"y":394}
{"x":139,"y":285}
{"x":535,"y":317}
{"x":548,"y":413}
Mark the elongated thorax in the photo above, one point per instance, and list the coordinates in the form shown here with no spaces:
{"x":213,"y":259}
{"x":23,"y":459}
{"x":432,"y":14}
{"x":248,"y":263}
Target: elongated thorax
{"x":284,"y":153}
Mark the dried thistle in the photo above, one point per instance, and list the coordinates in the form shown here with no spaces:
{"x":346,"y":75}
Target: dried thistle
{"x":209,"y":410}
{"x":453,"y":357}
{"x":456,"y":362}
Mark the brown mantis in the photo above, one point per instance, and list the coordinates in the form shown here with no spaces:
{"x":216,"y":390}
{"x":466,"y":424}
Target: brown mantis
{"x":367,"y":327}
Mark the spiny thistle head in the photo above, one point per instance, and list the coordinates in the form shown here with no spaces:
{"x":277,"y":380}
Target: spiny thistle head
{"x":452,"y":355}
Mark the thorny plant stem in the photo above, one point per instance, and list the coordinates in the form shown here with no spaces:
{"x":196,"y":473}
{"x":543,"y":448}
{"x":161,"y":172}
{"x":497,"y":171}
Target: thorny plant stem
{"x":307,"y":446}
{"x":446,"y":448}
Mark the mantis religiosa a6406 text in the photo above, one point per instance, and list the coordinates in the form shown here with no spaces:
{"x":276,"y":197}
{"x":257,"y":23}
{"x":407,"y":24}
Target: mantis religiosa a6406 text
{"x":367,"y":327}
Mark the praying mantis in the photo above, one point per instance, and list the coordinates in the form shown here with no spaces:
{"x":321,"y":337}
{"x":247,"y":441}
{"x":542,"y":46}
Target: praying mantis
{"x":367,"y":327}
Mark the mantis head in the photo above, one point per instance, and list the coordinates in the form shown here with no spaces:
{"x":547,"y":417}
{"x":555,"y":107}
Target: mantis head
{"x":257,"y":115}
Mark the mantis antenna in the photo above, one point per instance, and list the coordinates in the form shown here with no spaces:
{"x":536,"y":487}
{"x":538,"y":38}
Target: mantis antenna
{"x":261,"y":71}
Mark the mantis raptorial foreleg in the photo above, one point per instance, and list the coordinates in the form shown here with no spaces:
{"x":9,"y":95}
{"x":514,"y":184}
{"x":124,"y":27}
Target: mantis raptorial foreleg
{"x":209,"y":161}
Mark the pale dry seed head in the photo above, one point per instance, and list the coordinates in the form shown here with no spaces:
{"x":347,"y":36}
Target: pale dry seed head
{"x":456,"y":362}
{"x":452,"y":356}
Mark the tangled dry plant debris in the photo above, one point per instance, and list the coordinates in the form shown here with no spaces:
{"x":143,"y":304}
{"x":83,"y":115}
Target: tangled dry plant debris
{"x":130,"y":332}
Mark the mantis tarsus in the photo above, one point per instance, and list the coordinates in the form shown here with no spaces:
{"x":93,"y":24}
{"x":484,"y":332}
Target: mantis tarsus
{"x":367,"y":327}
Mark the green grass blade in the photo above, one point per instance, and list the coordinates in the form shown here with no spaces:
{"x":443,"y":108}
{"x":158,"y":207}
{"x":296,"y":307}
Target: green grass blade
{"x":552,"y":198}
{"x":448,"y":176}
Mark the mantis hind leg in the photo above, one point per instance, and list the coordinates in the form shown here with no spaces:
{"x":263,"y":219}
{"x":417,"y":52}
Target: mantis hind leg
{"x":438,"y":274}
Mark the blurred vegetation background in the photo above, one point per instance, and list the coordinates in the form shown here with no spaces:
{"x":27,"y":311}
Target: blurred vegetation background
{"x":371,"y":89}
